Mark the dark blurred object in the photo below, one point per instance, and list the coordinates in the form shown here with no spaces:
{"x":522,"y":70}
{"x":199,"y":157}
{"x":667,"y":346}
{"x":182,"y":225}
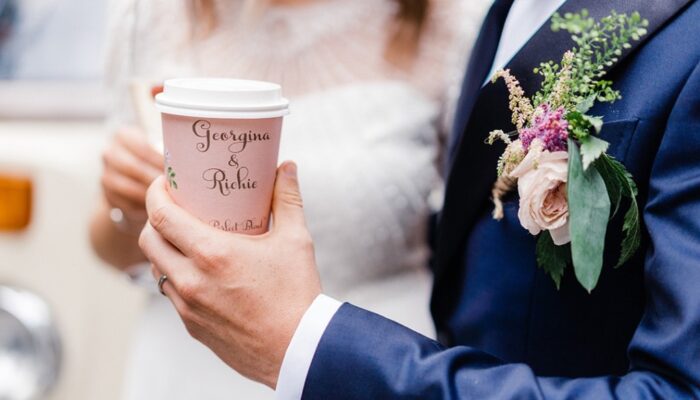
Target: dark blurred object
{"x":8,"y":18}
{"x":8,"y":15}
{"x":15,"y":203}
{"x":30,"y":348}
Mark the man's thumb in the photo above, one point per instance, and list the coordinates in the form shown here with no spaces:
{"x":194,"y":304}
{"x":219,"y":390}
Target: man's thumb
{"x":287,"y":205}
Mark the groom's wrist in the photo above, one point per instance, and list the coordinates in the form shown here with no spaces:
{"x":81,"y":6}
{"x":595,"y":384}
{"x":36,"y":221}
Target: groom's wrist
{"x":302,"y":347}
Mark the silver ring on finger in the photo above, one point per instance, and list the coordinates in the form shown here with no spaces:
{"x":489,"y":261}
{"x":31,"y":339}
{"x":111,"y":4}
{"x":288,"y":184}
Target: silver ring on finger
{"x":161,"y":282}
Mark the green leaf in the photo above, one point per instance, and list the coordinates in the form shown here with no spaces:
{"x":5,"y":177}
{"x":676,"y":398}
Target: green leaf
{"x":589,"y":209}
{"x":596,"y":122}
{"x":625,"y":177}
{"x":586,"y":104}
{"x":631,"y":226}
{"x":552,"y":258}
{"x":632,"y":232}
{"x":592,"y":148}
{"x":612,"y":182}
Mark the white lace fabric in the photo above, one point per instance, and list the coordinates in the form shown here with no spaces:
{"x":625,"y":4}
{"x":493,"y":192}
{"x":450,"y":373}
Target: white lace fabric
{"x":306,"y":49}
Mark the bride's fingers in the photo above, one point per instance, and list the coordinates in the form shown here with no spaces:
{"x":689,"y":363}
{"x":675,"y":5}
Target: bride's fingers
{"x":137,"y":144}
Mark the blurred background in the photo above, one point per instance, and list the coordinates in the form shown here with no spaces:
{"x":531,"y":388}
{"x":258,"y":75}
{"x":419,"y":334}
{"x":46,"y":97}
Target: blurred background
{"x":63,"y":315}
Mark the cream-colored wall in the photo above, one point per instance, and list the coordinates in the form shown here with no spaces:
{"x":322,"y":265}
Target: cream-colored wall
{"x":95,"y":307}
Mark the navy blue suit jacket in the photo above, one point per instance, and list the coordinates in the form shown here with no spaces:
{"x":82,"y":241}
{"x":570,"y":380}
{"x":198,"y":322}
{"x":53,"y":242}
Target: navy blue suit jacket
{"x":505,"y":330}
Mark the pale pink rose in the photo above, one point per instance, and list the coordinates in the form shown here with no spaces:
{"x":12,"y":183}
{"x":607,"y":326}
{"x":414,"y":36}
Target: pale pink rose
{"x":542,"y":187}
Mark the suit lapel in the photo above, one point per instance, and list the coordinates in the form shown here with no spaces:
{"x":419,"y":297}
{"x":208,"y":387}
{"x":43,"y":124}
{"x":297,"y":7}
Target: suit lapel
{"x":484,"y":49}
{"x":474,"y":166}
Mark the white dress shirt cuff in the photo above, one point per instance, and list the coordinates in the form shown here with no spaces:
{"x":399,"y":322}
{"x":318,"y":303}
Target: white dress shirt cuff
{"x":301,"y":350}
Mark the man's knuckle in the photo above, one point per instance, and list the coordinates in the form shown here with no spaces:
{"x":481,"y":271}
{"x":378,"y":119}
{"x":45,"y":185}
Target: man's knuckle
{"x":209,"y":255}
{"x":143,"y":240}
{"x":292,"y":198}
{"x":215,"y":259}
{"x":185,"y":312}
{"x":188,"y":318}
{"x":194,"y":330}
{"x":159,"y":217}
{"x":308,"y":246}
{"x":188,"y":291}
{"x":190,"y":328}
{"x":199,"y":247}
{"x":302,"y":238}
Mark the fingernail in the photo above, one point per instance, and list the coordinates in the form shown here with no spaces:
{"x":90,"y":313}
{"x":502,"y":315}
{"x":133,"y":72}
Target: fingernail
{"x":290,"y":169}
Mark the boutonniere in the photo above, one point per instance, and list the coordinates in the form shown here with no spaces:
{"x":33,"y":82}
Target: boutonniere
{"x":569,"y":186}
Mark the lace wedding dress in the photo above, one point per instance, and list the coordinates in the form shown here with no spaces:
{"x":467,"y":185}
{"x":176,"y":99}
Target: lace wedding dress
{"x":365,"y":134}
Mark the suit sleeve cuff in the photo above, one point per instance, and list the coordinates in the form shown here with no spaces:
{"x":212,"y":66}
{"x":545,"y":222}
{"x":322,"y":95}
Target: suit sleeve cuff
{"x":301,"y":350}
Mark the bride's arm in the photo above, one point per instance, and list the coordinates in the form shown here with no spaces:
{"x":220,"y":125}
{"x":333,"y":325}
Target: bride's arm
{"x":130,"y":165}
{"x":119,"y":248}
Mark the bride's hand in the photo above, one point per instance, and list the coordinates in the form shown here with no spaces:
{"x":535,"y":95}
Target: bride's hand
{"x":130,"y":166}
{"x":242,"y":296}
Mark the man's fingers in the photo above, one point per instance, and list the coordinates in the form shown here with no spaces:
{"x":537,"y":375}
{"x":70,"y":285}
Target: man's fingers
{"x":166,"y":258}
{"x":177,"y":226}
{"x":287,"y":205}
{"x":180,"y":306}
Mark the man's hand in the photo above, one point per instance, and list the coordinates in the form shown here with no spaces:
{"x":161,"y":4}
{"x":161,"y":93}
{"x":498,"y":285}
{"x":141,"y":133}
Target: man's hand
{"x":242,"y":296}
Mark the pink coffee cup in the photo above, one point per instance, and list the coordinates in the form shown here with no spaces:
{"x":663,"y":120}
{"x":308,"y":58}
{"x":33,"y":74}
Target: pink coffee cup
{"x":221,"y":140}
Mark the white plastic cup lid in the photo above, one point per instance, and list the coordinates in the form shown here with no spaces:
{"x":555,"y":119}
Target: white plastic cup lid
{"x":222,"y":98}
